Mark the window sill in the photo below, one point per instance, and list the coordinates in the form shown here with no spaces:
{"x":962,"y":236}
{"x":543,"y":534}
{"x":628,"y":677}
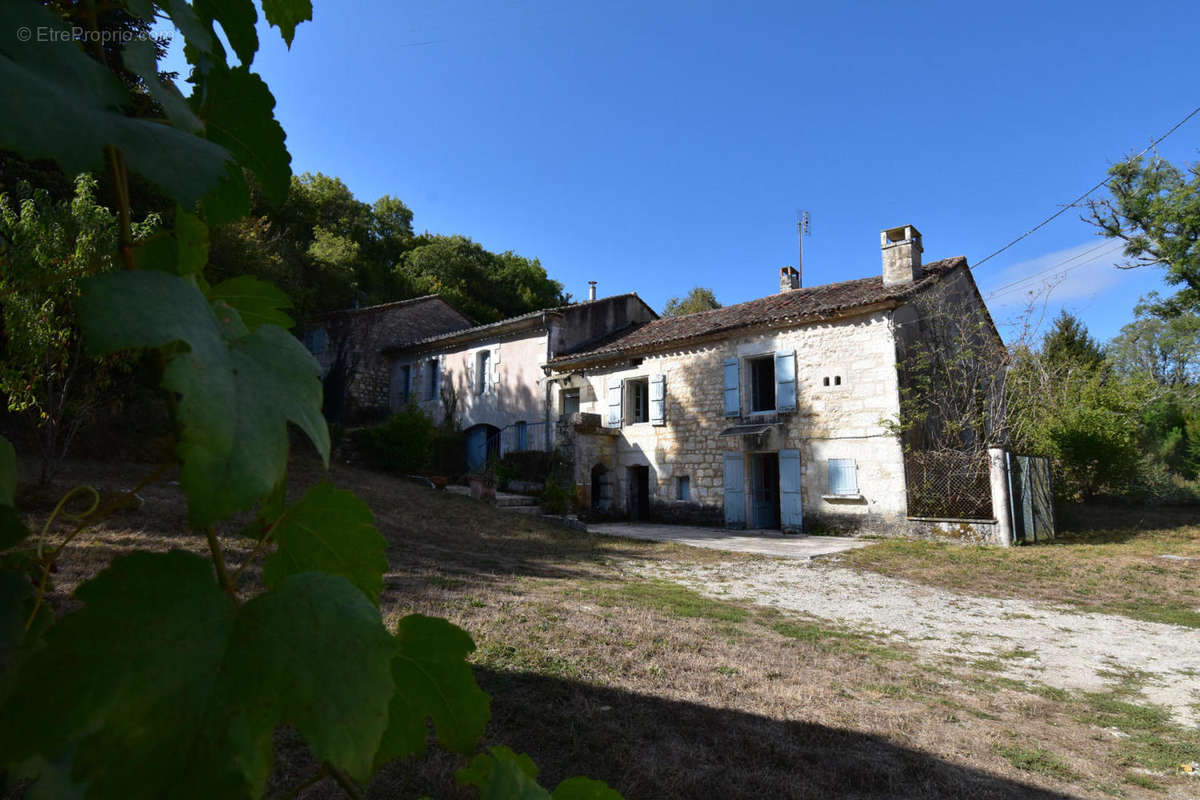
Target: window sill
{"x":843,"y":498}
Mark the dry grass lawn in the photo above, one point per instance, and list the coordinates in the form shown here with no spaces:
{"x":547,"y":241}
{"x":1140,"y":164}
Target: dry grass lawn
{"x":1106,"y":559}
{"x":664,"y":693}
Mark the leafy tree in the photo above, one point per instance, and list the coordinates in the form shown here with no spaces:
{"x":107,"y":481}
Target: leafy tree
{"x":1069,"y":343}
{"x":51,"y":248}
{"x":1164,"y":347}
{"x":698,"y":299}
{"x":1154,"y":207}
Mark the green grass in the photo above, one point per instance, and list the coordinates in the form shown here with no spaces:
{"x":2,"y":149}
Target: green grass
{"x":668,"y":598}
{"x":1144,"y":781}
{"x":1154,"y":742}
{"x":1037,"y":760}
{"x":831,"y":640}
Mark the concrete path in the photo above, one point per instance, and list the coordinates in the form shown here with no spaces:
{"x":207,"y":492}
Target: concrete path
{"x":765,"y":543}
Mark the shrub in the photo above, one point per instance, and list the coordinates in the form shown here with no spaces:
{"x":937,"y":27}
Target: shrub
{"x":402,"y":444}
{"x":556,"y":498}
{"x":448,"y":453}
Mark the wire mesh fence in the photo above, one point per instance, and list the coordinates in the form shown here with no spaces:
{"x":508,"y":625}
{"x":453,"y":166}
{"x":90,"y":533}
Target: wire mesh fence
{"x":948,"y":484}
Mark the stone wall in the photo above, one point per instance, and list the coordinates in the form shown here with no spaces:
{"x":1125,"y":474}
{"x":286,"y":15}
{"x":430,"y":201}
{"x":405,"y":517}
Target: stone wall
{"x":844,"y":419}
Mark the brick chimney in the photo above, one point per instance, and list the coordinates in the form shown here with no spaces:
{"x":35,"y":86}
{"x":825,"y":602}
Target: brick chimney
{"x":789,"y":279}
{"x":901,"y":255}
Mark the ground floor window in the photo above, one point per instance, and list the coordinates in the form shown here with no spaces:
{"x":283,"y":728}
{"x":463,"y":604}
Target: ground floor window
{"x":683,"y":488}
{"x":843,"y":476}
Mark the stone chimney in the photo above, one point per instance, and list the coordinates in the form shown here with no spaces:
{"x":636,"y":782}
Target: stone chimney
{"x":591,"y":290}
{"x":901,"y":255}
{"x":789,"y":279}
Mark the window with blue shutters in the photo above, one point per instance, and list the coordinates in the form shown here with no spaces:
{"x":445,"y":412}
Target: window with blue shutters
{"x":843,"y":476}
{"x":785,"y":381}
{"x":733,"y":403}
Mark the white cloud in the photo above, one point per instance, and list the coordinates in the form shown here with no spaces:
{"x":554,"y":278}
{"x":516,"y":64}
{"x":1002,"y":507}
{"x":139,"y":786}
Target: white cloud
{"x":1076,"y":273}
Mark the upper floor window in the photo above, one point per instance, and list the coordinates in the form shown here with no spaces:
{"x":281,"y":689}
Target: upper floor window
{"x":570,"y":401}
{"x":762,"y":383}
{"x":637,"y":400}
{"x":769,"y":382}
{"x":483,"y":360}
{"x":431,"y":379}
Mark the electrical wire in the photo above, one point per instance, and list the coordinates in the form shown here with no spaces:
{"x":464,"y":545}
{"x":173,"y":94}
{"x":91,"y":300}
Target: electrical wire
{"x":1153,"y":143}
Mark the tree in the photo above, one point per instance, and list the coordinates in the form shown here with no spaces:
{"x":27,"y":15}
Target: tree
{"x":698,"y":299}
{"x":1154,"y":207}
{"x":51,"y":248}
{"x":1164,"y":347}
{"x":1069,"y":343}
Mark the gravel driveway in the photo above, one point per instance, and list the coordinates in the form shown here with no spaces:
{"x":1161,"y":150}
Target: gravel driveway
{"x":1038,"y":642}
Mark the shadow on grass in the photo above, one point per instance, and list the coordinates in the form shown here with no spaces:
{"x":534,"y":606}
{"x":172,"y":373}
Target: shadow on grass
{"x":1103,"y":523}
{"x":650,"y":747}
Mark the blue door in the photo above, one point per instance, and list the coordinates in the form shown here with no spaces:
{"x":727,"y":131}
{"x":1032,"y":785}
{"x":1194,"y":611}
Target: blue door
{"x":477,"y":448}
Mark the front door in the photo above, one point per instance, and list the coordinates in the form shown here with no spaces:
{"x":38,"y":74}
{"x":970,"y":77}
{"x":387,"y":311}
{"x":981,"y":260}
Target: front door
{"x":764,"y":487}
{"x":639,"y":493}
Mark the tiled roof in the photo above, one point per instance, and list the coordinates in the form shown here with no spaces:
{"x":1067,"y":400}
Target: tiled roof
{"x":482,"y":331}
{"x":399,"y":322}
{"x":810,"y":304}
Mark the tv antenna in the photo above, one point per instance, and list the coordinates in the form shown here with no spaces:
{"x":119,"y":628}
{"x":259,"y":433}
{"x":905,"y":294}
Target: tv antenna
{"x":802,"y":230}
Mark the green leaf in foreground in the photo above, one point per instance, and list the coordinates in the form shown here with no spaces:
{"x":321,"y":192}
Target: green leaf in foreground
{"x":60,"y":104}
{"x":286,"y":15}
{"x":502,"y":774}
{"x":433,"y":680}
{"x":314,"y":654}
{"x":235,"y":399}
{"x":256,"y":301}
{"x":238,"y":114}
{"x":162,"y":688}
{"x":580,"y":788}
{"x":329,"y":530}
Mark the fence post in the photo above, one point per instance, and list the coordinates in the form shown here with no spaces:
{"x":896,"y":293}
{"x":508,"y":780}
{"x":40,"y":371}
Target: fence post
{"x":998,"y":476}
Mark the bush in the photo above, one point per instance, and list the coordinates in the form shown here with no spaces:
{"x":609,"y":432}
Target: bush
{"x":448,"y":453}
{"x":526,"y":465}
{"x":556,"y":499}
{"x":402,"y":444}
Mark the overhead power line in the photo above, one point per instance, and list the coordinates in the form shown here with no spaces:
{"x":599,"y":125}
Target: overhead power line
{"x":1019,"y":284}
{"x":1154,"y":143}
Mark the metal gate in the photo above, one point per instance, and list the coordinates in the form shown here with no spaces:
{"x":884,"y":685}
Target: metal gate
{"x":1031,"y":493}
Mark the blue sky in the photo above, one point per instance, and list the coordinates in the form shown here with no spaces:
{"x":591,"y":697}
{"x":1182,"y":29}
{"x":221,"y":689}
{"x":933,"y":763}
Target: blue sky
{"x":658,"y":146}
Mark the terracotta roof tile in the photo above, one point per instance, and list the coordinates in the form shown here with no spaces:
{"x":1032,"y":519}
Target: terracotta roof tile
{"x":810,"y":304}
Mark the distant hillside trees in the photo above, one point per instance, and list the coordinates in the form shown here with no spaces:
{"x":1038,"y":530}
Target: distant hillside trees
{"x":328,"y":250}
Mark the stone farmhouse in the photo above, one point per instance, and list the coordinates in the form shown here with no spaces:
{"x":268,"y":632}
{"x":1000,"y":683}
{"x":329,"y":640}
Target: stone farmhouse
{"x":493,"y":377}
{"x":349,"y":345}
{"x":777,"y":413}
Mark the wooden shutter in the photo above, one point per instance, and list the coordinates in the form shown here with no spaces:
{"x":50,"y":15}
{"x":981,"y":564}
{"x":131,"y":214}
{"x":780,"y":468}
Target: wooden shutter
{"x":735,"y":491}
{"x":658,"y":399}
{"x":733,"y":402}
{"x":614,"y":403}
{"x":843,"y":476}
{"x":785,"y":381}
{"x":791,"y":513}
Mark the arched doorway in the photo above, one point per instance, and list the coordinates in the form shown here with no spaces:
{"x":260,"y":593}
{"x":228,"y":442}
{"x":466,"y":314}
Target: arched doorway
{"x":483,"y":442}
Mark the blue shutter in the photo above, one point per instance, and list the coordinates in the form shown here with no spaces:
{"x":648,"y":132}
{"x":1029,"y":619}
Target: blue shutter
{"x":658,"y":399}
{"x":785,"y":381}
{"x":733,"y":404}
{"x":522,"y":436}
{"x":614,"y":403}
{"x":791,"y":513}
{"x":735,"y":491}
{"x":843,"y":476}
